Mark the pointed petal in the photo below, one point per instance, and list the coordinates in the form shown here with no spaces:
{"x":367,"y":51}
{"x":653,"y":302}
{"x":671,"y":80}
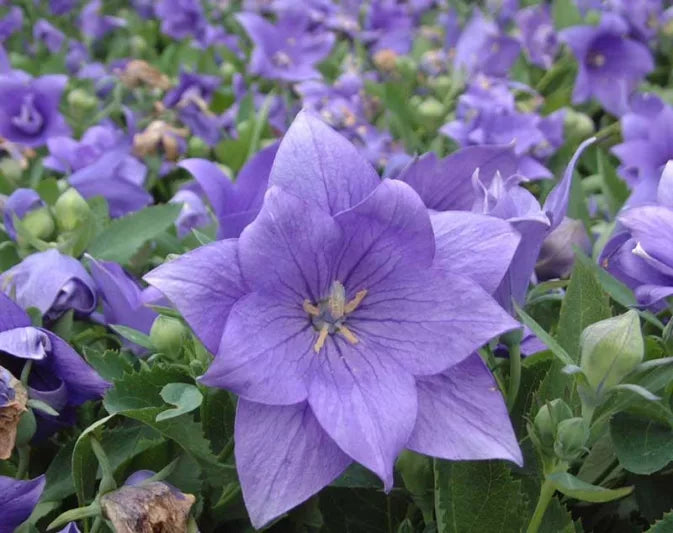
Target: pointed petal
{"x":651,"y":226}
{"x":17,"y":500}
{"x":462,"y":416}
{"x":476,"y":246}
{"x":270,"y":367}
{"x":365,"y":402}
{"x":283,"y":458}
{"x":216,"y":185}
{"x":388,"y":232}
{"x":320,"y":166}
{"x":25,"y":343}
{"x":11,"y":315}
{"x":203,"y":284}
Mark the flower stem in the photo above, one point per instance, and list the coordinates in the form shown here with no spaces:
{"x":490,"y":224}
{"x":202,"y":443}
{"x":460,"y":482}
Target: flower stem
{"x":546,"y":492}
{"x":514,"y":374}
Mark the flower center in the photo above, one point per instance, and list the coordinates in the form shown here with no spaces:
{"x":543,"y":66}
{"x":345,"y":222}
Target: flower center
{"x":329,"y":316}
{"x":597,"y":59}
{"x":281,"y":59}
{"x":29,"y":119}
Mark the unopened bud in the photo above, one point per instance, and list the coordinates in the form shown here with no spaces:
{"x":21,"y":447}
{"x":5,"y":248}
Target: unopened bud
{"x":547,"y":419}
{"x":147,"y":509}
{"x":197,"y":147}
{"x":11,"y":169}
{"x":138,"y":45}
{"x":81,"y":100}
{"x":611,"y":349}
{"x":578,"y":126}
{"x":168,"y":334}
{"x":431,"y":109}
{"x":13,"y":398}
{"x":71,"y":210}
{"x":227,"y":70}
{"x":572,"y":435}
{"x":557,"y":254}
{"x":39,"y":223}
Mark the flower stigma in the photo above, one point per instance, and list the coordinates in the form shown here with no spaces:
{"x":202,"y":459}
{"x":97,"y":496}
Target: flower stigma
{"x":329,"y":315}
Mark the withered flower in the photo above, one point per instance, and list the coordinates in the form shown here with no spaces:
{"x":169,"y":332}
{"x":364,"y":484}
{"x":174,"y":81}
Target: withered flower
{"x":158,"y":135}
{"x":13,"y":398}
{"x":137,"y":73}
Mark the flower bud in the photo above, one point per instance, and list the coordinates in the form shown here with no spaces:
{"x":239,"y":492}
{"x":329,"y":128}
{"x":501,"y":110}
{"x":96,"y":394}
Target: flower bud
{"x":147,"y":508}
{"x":572,"y":435}
{"x":227,"y":70}
{"x":13,"y":398}
{"x":138,"y":45}
{"x":39,"y":223}
{"x":197,"y":147}
{"x":547,"y":419}
{"x":167,"y":334}
{"x":557,"y":255}
{"x":578,"y":126}
{"x":431,"y":109}
{"x":81,"y":101}
{"x":11,"y":169}
{"x":611,"y":349}
{"x":71,"y":210}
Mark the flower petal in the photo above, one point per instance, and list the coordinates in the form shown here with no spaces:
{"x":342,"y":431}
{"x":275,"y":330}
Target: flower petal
{"x":366,"y":402}
{"x":17,"y":500}
{"x":479,"y":247}
{"x":25,"y":343}
{"x":11,"y":315}
{"x":319,"y":165}
{"x":462,"y":416}
{"x":268,"y":367}
{"x":652,"y":226}
{"x":203,"y":284}
{"x":283,"y":458}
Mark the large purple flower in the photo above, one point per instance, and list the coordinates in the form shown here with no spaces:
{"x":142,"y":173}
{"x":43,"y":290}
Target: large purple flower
{"x":51,"y":282}
{"x":610,"y":64}
{"x":58,"y":375}
{"x":29,"y":108}
{"x":371,"y":319}
{"x":641,"y":253}
{"x":286,"y":51}
{"x":537,"y":34}
{"x":181,"y":18}
{"x":17,"y":500}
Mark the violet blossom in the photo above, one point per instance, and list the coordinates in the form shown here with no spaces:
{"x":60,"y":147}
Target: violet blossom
{"x":181,"y":19}
{"x":370,"y":318}
{"x":538,"y":35}
{"x":11,"y":23}
{"x":50,"y":36}
{"x":18,"y":498}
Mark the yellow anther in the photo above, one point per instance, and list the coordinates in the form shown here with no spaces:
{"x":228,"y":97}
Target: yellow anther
{"x":322,"y":337}
{"x":355,"y":302}
{"x":348,"y":334}
{"x":310,"y":308}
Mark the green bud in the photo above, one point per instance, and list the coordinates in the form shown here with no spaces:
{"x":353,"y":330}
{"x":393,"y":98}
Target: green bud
{"x":11,"y":169}
{"x":168,"y":334}
{"x":81,"y":100}
{"x":196,"y":147}
{"x":26,"y":428}
{"x":441,"y":84}
{"x":431,"y":109}
{"x":39,"y":223}
{"x":407,"y":66}
{"x":572,"y":435}
{"x":227,"y":70}
{"x":547,"y":419}
{"x":138,"y":45}
{"x":71,"y":210}
{"x":611,"y":349}
{"x":578,"y":126}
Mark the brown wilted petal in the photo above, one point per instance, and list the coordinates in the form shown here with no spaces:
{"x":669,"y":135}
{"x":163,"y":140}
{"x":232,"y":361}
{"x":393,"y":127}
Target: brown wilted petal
{"x":150,"y":508}
{"x":138,"y":72}
{"x":10,"y":415}
{"x":159,"y":135}
{"x":386,"y":59}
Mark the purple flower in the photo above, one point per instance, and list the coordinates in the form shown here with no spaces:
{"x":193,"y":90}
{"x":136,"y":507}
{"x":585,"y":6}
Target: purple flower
{"x":611,"y":65}
{"x":537,"y":32}
{"x":235,"y":205}
{"x":101,"y":164}
{"x":52,"y":37}
{"x":371,"y":320}
{"x":287,"y":50}
{"x":58,"y":375}
{"x":17,"y":500}
{"x":19,"y":204}
{"x":647,"y":130}
{"x":96,"y":26}
{"x":70,"y":528}
{"x":191,"y":98}
{"x":193,"y":214}
{"x":557,"y":254}
{"x":181,"y":18}
{"x":641,"y":254}
{"x":29,"y":108}
{"x":482,"y":47}
{"x":11,"y":23}
{"x":388,"y":26}
{"x":51,"y":282}
{"x":61,"y":7}
{"x":122,"y":299}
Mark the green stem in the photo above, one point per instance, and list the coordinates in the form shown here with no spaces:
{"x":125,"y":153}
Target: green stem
{"x":546,"y":492}
{"x":514,"y":374}
{"x":24,"y":461}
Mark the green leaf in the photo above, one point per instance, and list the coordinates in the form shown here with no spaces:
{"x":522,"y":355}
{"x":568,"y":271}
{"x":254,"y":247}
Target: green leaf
{"x":477,"y":497}
{"x":48,"y":190}
{"x":643,"y":445}
{"x":85,"y":464}
{"x":357,"y":476}
{"x":110,"y":364}
{"x":584,"y":304}
{"x":184,"y":396}
{"x":574,"y":487}
{"x":665,"y":525}
{"x":133,"y":335}
{"x":619,"y":292}
{"x":557,"y":519}
{"x":124,"y":236}
{"x":614,"y":188}
{"x":217,"y":416}
{"x":545,"y":337}
{"x":565,"y":13}
{"x":418,"y":476}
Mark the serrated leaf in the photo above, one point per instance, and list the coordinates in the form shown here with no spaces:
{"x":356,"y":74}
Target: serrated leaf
{"x":473,"y":497}
{"x":574,"y":487}
{"x":665,"y":525}
{"x":110,"y":364}
{"x":557,"y":519}
{"x":124,"y":236}
{"x":184,"y":396}
{"x":643,"y":445}
{"x":619,"y":292}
